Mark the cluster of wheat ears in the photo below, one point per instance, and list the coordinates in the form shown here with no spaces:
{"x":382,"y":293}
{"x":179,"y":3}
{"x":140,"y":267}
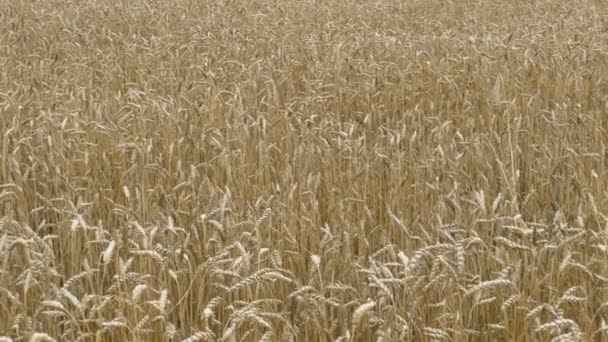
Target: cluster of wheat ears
{"x":291,"y":170}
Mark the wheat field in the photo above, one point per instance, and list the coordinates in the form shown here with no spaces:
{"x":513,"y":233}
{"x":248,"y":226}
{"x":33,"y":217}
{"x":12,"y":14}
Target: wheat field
{"x":292,"y":170}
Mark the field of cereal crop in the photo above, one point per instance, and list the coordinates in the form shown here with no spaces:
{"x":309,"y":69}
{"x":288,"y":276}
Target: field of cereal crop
{"x":291,"y":170}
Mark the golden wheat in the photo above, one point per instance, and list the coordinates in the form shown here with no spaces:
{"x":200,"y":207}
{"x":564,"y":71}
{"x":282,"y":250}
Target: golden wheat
{"x":289,"y":170}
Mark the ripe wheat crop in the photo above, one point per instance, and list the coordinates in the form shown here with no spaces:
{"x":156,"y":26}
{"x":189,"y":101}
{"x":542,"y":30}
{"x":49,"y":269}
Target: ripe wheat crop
{"x":288,"y":170}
